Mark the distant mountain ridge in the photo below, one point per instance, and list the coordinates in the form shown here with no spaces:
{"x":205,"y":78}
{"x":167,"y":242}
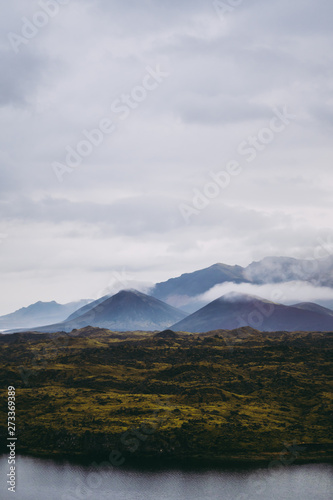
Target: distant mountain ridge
{"x":198,"y":282}
{"x":130,"y":310}
{"x":39,"y":313}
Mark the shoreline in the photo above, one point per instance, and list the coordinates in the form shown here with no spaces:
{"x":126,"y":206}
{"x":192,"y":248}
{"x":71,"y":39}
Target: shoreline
{"x":232,"y":461}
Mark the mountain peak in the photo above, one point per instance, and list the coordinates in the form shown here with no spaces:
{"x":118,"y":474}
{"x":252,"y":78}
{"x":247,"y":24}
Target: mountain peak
{"x":241,"y":297}
{"x":127,"y":310}
{"x":129,"y":292}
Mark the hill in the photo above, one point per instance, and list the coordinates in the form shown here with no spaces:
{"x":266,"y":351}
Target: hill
{"x":131,"y":310}
{"x":234,"y":310}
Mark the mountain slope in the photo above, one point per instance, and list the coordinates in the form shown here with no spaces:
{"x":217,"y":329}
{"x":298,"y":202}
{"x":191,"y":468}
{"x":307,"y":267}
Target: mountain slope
{"x":38,"y":314}
{"x":311,"y":306}
{"x":125,"y":311}
{"x":176,"y":291}
{"x":236,"y":310}
{"x":86,"y":308}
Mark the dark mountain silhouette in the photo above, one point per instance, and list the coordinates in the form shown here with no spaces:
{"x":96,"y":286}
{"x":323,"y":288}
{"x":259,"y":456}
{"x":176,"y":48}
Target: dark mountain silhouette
{"x":128,"y":310}
{"x":235,"y":310}
{"x":38,"y":314}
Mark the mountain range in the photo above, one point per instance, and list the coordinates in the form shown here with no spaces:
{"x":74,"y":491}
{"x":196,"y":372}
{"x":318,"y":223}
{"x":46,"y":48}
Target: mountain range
{"x":128,"y":310}
{"x":174,"y":303}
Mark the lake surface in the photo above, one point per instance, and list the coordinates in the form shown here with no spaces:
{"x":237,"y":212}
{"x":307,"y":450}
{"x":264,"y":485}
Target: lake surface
{"x":41,"y":479}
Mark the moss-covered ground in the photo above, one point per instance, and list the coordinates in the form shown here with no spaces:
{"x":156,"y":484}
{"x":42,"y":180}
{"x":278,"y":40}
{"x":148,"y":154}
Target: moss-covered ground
{"x":241,"y":395}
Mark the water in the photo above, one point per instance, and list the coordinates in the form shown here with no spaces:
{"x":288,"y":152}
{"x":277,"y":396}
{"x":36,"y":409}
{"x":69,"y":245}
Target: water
{"x":40,"y":479}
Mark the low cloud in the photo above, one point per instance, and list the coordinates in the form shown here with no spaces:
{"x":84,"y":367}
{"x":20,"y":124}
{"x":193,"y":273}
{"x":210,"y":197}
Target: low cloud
{"x":121,"y":281}
{"x":284,"y":293}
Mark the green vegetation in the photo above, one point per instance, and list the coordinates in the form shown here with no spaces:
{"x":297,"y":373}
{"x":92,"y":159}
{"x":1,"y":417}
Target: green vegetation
{"x":241,"y":395}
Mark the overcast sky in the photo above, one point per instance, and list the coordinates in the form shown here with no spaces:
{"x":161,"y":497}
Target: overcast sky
{"x":215,"y":144}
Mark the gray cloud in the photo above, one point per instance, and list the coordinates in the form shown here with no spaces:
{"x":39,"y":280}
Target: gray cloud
{"x":284,"y":293}
{"x":19,"y":78}
{"x":120,"y":207}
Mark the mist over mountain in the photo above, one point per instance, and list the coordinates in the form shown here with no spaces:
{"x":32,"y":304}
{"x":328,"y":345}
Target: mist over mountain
{"x":236,"y":310}
{"x":39,"y":313}
{"x":187,"y":290}
{"x":125,"y":311}
{"x":179,"y":291}
{"x":306,"y":284}
{"x":283,"y":269}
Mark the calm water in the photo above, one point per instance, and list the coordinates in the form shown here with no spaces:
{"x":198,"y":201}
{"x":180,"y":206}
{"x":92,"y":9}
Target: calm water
{"x":47,"y":480}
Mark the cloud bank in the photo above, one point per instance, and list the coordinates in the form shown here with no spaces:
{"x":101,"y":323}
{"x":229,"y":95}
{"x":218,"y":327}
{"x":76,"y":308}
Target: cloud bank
{"x":119,"y":207}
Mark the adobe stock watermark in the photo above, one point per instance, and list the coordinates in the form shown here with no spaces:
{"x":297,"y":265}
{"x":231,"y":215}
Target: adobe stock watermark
{"x":123,"y":106}
{"x":31,"y":27}
{"x":249,"y":148}
{"x":222,"y":9}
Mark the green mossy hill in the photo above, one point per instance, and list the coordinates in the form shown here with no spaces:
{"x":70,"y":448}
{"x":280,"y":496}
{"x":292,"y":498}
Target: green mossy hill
{"x":242,"y":395}
{"x":166,"y":334}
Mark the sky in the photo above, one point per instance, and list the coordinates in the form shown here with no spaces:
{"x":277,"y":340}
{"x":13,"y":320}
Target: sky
{"x":142,"y":140}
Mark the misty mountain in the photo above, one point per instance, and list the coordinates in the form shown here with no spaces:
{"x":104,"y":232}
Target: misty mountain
{"x":179,"y":291}
{"x":283,"y":269}
{"x":234,"y":310}
{"x":38,"y":314}
{"x":128,"y":310}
